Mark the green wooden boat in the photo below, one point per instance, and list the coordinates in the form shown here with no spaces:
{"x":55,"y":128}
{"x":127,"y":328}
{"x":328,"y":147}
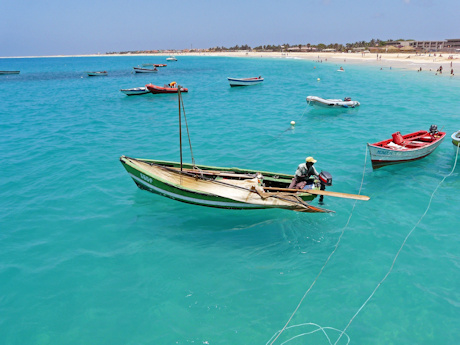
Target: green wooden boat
{"x":230,"y":188}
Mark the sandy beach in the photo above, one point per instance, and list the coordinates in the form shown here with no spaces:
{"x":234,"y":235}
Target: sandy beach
{"x":429,"y":62}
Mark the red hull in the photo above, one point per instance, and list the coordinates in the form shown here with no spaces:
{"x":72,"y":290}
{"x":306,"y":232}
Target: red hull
{"x":160,"y":89}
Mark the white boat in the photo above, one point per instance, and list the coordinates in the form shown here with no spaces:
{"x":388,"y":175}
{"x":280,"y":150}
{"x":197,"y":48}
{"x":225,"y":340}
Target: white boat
{"x":456,"y":141}
{"x":135,"y":91}
{"x":245,"y":81}
{"x":145,"y":70}
{"x":171,"y":58}
{"x":95,"y":74}
{"x":332,"y":103}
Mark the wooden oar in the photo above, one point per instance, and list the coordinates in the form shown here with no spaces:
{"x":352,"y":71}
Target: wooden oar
{"x":321,"y":192}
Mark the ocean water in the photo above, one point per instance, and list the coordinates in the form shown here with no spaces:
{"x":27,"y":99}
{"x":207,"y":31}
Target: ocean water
{"x":88,"y":258}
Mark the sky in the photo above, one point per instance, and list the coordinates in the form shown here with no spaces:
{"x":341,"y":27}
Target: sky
{"x":63,"y":27}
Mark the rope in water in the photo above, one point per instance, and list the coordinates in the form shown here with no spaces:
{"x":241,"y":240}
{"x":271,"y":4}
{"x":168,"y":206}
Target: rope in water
{"x":327,"y":260}
{"x":290,"y":128}
{"x":400,"y":249}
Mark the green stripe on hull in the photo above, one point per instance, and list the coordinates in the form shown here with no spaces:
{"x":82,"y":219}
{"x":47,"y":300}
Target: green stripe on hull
{"x":157,"y":186}
{"x":194,"y":198}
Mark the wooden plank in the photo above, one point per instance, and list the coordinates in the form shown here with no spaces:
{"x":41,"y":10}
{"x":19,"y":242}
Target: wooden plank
{"x":321,"y":192}
{"x":214,"y":173}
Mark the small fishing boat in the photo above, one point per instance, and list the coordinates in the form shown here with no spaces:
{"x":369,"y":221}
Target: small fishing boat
{"x":168,"y":88}
{"x":135,"y":91}
{"x":171,"y":58}
{"x":228,"y":188}
{"x":9,"y":72}
{"x":96,"y":74}
{"x":456,"y":141}
{"x":245,"y":81}
{"x":405,"y":148}
{"x":332,"y":103}
{"x":145,"y":70}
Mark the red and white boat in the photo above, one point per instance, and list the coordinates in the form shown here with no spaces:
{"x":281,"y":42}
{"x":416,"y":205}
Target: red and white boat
{"x":405,"y":148}
{"x":170,"y":88}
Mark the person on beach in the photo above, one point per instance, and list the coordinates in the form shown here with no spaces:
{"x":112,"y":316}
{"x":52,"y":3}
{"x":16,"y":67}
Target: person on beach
{"x":303,"y":173}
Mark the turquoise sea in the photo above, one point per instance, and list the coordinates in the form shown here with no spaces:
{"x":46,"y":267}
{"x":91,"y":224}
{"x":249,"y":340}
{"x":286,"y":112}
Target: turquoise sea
{"x":88,"y":258}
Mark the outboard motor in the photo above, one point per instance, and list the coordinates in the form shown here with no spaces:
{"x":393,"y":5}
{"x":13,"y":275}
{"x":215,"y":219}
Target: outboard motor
{"x":433,"y":130}
{"x":325,"y":179}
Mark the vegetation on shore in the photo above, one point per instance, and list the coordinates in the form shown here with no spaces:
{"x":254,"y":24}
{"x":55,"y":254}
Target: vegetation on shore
{"x":284,"y":47}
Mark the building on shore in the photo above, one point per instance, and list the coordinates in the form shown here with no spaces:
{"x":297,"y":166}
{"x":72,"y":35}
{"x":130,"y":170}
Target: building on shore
{"x":448,"y":45}
{"x":453,"y":43}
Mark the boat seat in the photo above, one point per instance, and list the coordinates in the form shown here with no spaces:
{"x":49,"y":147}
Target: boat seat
{"x":416,"y":143}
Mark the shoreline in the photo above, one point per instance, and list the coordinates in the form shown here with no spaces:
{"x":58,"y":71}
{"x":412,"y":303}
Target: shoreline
{"x":427,"y":62}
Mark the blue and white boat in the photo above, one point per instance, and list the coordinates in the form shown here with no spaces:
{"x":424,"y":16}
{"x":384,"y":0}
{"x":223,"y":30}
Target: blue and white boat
{"x":456,"y":141}
{"x":9,"y":72}
{"x":245,"y":81}
{"x":96,"y":74}
{"x":145,"y":70}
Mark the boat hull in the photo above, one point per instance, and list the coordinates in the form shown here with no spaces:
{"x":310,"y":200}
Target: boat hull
{"x":177,"y":189}
{"x":9,"y":72}
{"x":244,"y":81}
{"x":135,"y":91}
{"x":96,"y":74}
{"x":331,"y":103}
{"x":382,"y":156}
{"x":144,"y":70}
{"x":456,"y":141}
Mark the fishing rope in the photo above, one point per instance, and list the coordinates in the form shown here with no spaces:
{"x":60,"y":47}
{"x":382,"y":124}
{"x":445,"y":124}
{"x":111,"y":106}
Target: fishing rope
{"x":319,"y":328}
{"x":400,"y":249}
{"x":186,"y":126}
{"x":327,"y":260}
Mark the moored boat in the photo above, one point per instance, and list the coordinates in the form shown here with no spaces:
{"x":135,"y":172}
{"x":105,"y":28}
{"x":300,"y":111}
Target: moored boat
{"x":96,"y":74}
{"x":169,"y":88}
{"x":9,"y":72}
{"x":456,"y":141}
{"x":245,"y":81}
{"x":332,"y":103}
{"x":135,"y":91}
{"x":405,"y":148}
{"x":229,"y":188}
{"x":145,"y":70}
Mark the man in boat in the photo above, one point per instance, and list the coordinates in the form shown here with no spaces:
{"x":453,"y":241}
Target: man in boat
{"x":303,"y":173}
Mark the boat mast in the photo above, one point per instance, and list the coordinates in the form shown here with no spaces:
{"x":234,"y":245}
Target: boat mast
{"x":180,"y":127}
